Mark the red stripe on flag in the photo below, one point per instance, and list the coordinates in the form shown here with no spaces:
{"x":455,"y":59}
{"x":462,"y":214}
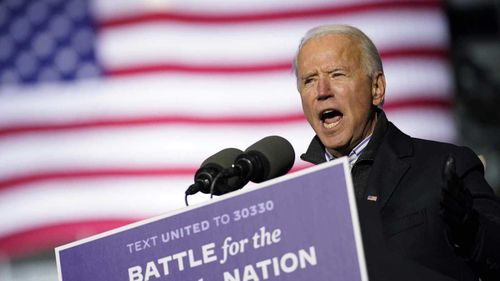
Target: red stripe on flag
{"x":198,"y":69}
{"x":198,"y":120}
{"x":427,"y":53}
{"x":418,"y":103}
{"x":49,"y":236}
{"x":301,"y":166}
{"x":420,"y":52}
{"x":65,"y":175}
{"x":242,"y":18}
{"x":36,"y":177}
{"x":147,"y":121}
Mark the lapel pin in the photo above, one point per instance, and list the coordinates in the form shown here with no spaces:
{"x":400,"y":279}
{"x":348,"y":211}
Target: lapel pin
{"x":372,"y":198}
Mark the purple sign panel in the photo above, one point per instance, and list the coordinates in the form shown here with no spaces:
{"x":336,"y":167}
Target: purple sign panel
{"x":302,"y":226}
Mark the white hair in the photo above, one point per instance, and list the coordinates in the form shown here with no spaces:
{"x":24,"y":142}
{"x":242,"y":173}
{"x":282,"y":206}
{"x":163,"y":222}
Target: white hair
{"x":370,"y":57}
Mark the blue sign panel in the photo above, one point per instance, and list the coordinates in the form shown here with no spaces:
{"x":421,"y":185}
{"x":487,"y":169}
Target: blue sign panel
{"x":302,"y":226}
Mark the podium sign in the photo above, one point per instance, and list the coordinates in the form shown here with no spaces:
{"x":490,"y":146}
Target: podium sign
{"x":302,"y":226}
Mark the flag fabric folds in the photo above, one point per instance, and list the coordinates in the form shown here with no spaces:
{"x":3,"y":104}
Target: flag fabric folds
{"x":107,"y":108}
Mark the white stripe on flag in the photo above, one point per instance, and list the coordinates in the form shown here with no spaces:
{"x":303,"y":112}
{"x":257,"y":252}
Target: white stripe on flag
{"x":261,"y":43}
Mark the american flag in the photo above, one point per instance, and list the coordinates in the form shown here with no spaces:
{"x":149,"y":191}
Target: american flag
{"x":108,"y":107}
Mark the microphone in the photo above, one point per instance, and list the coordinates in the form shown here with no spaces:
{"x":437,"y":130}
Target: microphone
{"x":266,"y":159}
{"x":210,"y":168}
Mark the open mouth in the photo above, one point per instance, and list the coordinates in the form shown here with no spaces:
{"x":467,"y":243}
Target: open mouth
{"x":330,"y":118}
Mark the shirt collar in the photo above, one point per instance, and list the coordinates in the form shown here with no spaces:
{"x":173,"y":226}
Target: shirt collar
{"x":355,"y":152}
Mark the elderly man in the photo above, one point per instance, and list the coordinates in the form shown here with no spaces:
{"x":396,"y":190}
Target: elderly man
{"x":450,"y":223}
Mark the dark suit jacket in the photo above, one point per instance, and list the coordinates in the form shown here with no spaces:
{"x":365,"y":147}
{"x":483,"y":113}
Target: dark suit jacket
{"x":406,"y":176}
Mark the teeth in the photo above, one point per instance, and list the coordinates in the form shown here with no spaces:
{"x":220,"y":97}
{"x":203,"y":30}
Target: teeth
{"x":324,"y":113}
{"x":329,"y":125}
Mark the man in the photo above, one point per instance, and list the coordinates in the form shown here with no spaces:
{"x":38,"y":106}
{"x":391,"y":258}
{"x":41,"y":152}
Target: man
{"x":449,"y":224}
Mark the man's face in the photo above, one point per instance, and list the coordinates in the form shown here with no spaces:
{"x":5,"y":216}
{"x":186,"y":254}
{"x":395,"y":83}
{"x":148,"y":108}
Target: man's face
{"x":337,"y":94}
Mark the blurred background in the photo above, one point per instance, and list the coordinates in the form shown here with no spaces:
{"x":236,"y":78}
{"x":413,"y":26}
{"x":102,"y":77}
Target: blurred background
{"x":107,"y":107}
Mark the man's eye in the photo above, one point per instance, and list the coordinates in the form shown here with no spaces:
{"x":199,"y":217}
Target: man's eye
{"x":308,"y":81}
{"x":337,"y":74}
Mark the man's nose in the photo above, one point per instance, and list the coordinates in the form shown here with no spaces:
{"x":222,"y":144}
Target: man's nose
{"x":324,"y":91}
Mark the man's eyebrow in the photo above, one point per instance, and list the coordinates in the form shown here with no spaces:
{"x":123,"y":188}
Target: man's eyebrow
{"x":308,"y":75}
{"x":337,"y":68}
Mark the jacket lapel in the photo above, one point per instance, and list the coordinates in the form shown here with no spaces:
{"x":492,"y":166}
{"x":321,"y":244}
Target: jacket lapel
{"x":390,"y":165}
{"x":315,"y":152}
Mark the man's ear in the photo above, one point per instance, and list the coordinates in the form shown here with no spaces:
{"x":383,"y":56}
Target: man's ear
{"x":378,"y":89}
